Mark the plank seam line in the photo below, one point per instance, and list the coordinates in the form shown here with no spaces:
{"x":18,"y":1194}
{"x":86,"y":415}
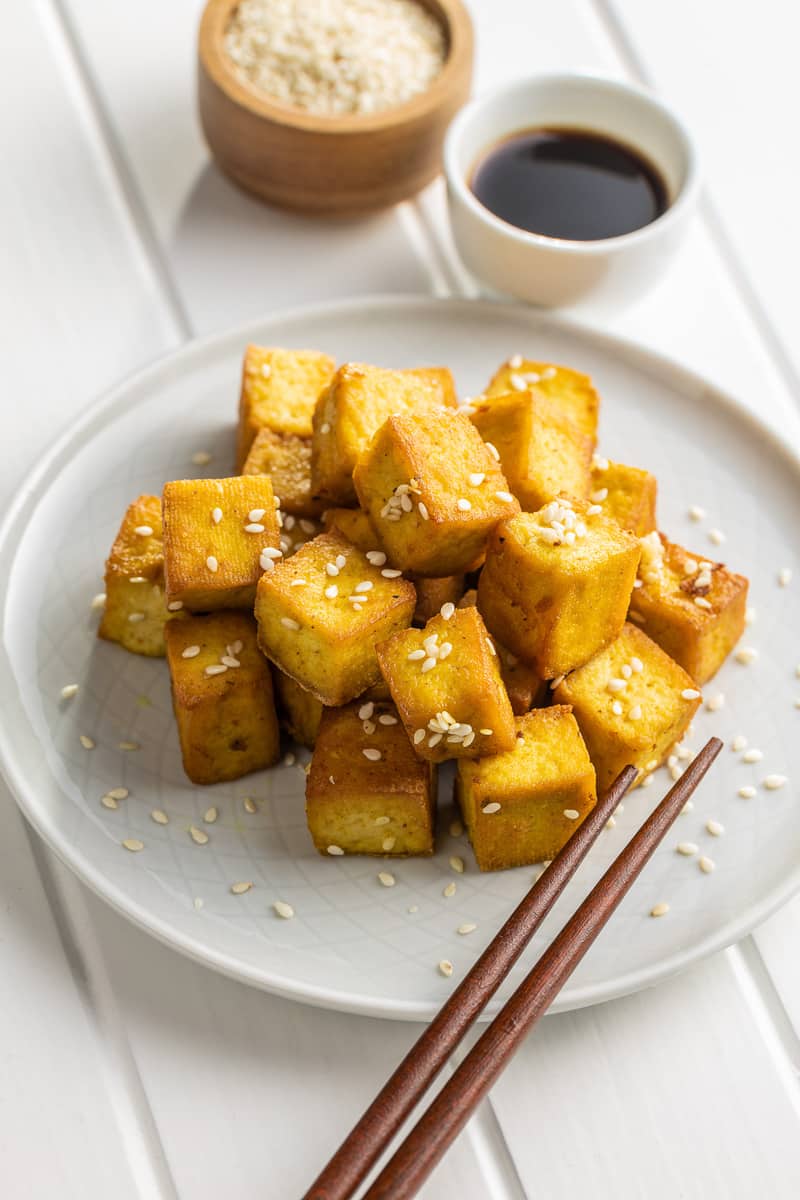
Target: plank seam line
{"x":120,"y":169}
{"x":713,"y":222}
{"x":146,"y":1156}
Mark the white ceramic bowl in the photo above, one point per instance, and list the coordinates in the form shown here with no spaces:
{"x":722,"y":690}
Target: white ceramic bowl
{"x":554,"y":271}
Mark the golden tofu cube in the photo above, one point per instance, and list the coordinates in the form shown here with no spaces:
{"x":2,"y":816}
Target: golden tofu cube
{"x":136,"y":611}
{"x":632,"y":703}
{"x":222,"y":697}
{"x":286,"y":458}
{"x":522,"y":806}
{"x":628,"y":494}
{"x":433,"y":492}
{"x":321,"y":612}
{"x":556,"y":584}
{"x":542,"y":453}
{"x":301,"y":712}
{"x":355,"y":525}
{"x":573,"y":392}
{"x":433,"y":594}
{"x":354,"y":406}
{"x":524,"y":686}
{"x":692,"y":607}
{"x":279,"y":391}
{"x":367,"y":792}
{"x":445,"y":680}
{"x":218,"y":535}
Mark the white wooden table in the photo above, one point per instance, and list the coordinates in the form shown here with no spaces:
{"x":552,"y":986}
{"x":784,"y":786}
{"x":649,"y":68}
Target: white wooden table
{"x":128,"y":1071}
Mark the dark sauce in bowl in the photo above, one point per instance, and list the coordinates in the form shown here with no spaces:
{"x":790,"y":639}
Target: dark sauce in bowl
{"x":569,"y":183}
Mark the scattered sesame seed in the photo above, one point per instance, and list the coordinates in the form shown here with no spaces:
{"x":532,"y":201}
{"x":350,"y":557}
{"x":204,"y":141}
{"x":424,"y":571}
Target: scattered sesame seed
{"x":752,"y":756}
{"x":212,"y":563}
{"x":366,"y":711}
{"x":635,"y":713}
{"x":215,"y":669}
{"x":554,"y":683}
{"x":449,"y":890}
{"x":298,"y":583}
{"x":365,"y":586}
{"x":716,"y":536}
{"x":129,"y":746}
{"x":335,"y":850}
{"x":428,"y":665}
{"x":371,"y":754}
{"x":571,"y":814}
{"x":210,"y":815}
{"x":290,"y":623}
{"x":419,"y":736}
{"x":702,"y":602}
{"x":387,"y":719}
{"x":617,"y":685}
{"x":463,"y":505}
{"x":239,"y":889}
{"x":456,"y":862}
{"x":493,"y":807}
{"x":391,"y":573}
{"x":254,"y":527}
{"x":325,"y":427}
{"x":659,"y":910}
{"x":486,"y":732}
{"x":696,"y":513}
{"x":599,"y":496}
{"x":746,"y":655}
{"x":773,"y":782}
{"x":447,"y":610}
{"x":750,"y":615}
{"x":118,"y":793}
{"x":283,"y":910}
{"x":144,"y":530}
{"x":388,"y":844}
{"x":747,"y":792}
{"x":687,"y":848}
{"x":706,"y":864}
{"x":492,"y":650}
{"x":690,"y":694}
{"x":515,"y":362}
{"x":446,"y":968}
{"x":434,"y":740}
{"x":517,"y":383}
{"x":715,"y":828}
{"x":616,"y":708}
{"x":175,"y":606}
{"x":476,"y":478}
{"x":784,"y":577}
{"x":159,"y":816}
{"x":271,"y":552}
{"x":331,"y":591}
{"x":386,"y":878}
{"x":87,"y":742}
{"x":592,"y":511}
{"x":70,"y":690}
{"x":715,"y":703}
{"x":201,"y":458}
{"x":648,"y":781}
{"x":133,"y":844}
{"x":739,"y":742}
{"x":98,"y":601}
{"x":135,"y":617}
{"x":216,"y":515}
{"x":197,"y":835}
{"x":467,"y":927}
{"x":456,"y":829}
{"x":109,"y":802}
{"x":651,"y":765}
{"x":495,"y":453}
{"x":331,"y":569}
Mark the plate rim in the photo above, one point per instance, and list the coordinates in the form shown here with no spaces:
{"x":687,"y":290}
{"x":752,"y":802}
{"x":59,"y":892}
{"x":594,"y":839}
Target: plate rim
{"x":101,"y":409}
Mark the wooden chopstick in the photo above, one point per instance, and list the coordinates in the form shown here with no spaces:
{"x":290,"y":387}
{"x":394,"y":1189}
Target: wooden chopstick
{"x":367,"y":1140}
{"x":442,"y":1121}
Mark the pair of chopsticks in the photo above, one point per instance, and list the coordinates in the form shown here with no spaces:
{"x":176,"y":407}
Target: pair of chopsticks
{"x":441,"y":1123}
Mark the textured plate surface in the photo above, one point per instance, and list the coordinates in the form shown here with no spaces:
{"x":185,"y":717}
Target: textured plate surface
{"x":354,"y":944}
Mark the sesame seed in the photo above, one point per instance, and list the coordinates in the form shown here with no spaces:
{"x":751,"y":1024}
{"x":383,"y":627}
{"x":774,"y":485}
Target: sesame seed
{"x":144,"y":530}
{"x":388,"y":844}
{"x":70,"y":690}
{"x":368,"y":727}
{"x":701,"y":602}
{"x":477,"y":478}
{"x":515,"y":362}
{"x":109,"y":802}
{"x":773,"y":782}
{"x":271,"y":552}
{"x":283,"y":910}
{"x":651,"y":765}
{"x":290,"y":623}
{"x":690,"y":694}
{"x":599,"y":496}
{"x":696,"y":513}
{"x":190,"y":652}
{"x":266,"y":370}
{"x":492,"y":650}
{"x":376,"y":557}
{"x":366,"y":711}
{"x":98,"y":601}
{"x":254,"y":527}
{"x":216,"y":515}
{"x":201,"y":458}
{"x":616,"y":685}
{"x":716,"y":536}
{"x":210,"y":815}
{"x":118,"y":793}
{"x":228,"y":660}
{"x":739,"y":742}
{"x":135,"y":617}
{"x":687,"y":848}
{"x":239,"y":889}
{"x":610,"y":823}
{"x":635,"y":713}
{"x":159,"y":816}
{"x":391,"y":573}
{"x":331,"y":591}
{"x":449,"y":890}
{"x":715,"y":828}
{"x":433,"y":741}
{"x":365,"y":586}
{"x":138,"y":579}
{"x":493,"y":807}
{"x":747,"y":792}
{"x":750,"y":615}
{"x":456,"y":829}
{"x":87,"y":742}
{"x":659,"y":910}
{"x":592,"y":511}
{"x":467,"y":927}
{"x":371,"y":754}
{"x":422,"y":509}
{"x":463,"y":505}
{"x":215,"y":669}
{"x":387,"y":719}
{"x":616,"y":708}
{"x":428,"y":665}
{"x":250,"y":805}
{"x":505,"y":497}
{"x":571,"y":814}
{"x":289,"y":759}
{"x":457,"y":863}
{"x":715,"y":703}
{"x":447,"y":610}
{"x":129,"y":746}
{"x":335,"y":850}
{"x":212,"y":563}
{"x":446,"y":968}
{"x":495,"y":453}
{"x":746,"y":655}
{"x":332,"y":569}
{"x":386,"y":878}
{"x":517,"y":383}
{"x":706,"y":865}
{"x":784,"y":577}
{"x":198,"y":836}
{"x":752,"y":756}
{"x":486,"y":732}
{"x":415,"y":655}
{"x":325,"y":427}
{"x":419,"y":736}
{"x":133,"y":844}
{"x":648,"y":781}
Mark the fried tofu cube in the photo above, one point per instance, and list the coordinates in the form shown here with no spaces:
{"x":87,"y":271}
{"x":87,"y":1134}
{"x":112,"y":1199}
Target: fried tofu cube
{"x":632,"y":703}
{"x":573,"y":392}
{"x":355,"y":525}
{"x":301,"y":712}
{"x":693,"y":608}
{"x":433,"y":594}
{"x":367,"y":791}
{"x":279,"y":391}
{"x":542,"y":453}
{"x":445,"y":680}
{"x":136,"y":610}
{"x":433,"y":492}
{"x":321,"y":612}
{"x":218,"y":535}
{"x":521,"y":807}
{"x":556,"y":584}
{"x":286,"y":458}
{"x":222,"y":697}
{"x":524,"y":686}
{"x":628,"y":494}
{"x":354,"y":406}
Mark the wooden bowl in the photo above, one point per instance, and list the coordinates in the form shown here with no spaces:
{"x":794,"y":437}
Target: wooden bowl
{"x":312,"y":163}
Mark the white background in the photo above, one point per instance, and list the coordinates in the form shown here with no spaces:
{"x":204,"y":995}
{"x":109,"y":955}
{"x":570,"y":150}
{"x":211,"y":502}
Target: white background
{"x":126,"y":1071}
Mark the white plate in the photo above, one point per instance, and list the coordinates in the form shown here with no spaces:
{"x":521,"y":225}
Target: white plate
{"x":353,"y":944}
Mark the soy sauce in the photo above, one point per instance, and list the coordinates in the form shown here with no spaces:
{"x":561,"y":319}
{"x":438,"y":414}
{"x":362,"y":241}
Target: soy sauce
{"x":569,"y":183}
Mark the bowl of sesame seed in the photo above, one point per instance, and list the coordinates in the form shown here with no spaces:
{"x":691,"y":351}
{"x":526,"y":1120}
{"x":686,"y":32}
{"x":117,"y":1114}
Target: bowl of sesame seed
{"x":338,"y":107}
